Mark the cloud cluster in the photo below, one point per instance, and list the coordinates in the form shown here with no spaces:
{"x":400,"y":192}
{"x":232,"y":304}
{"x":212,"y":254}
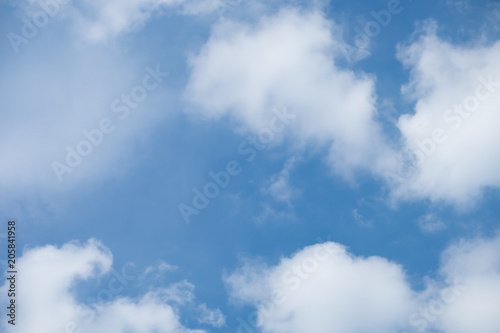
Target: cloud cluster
{"x":453,"y":135}
{"x":245,"y":70}
{"x":450,"y":143}
{"x":324,"y":288}
{"x":321,"y":287}
{"x":48,"y":301}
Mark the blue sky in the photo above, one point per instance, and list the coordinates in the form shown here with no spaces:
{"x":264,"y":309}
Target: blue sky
{"x":366,"y":131}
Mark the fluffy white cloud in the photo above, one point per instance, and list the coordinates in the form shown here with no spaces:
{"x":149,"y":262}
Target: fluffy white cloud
{"x":473,"y":267}
{"x":450,"y":144}
{"x":48,"y":301}
{"x":453,"y":135}
{"x":323,"y":288}
{"x":245,"y":71}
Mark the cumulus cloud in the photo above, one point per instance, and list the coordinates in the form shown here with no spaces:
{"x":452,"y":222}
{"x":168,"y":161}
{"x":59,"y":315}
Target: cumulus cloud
{"x":245,"y":71}
{"x":466,"y":297}
{"x":449,"y":144}
{"x":476,"y":264}
{"x":49,"y":303}
{"x":452,"y":137}
{"x":324,"y":288}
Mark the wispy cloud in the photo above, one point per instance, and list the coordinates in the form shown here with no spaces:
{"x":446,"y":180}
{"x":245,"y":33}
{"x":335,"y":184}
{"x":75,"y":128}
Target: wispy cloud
{"x":279,"y":186}
{"x":431,"y":223}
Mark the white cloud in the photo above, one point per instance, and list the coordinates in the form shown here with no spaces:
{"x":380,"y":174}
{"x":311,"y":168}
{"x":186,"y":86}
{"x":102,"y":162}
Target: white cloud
{"x":469,"y":298}
{"x":289,"y":59}
{"x":453,"y":133}
{"x":48,"y":301}
{"x":477,"y":264}
{"x":323,"y":288}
